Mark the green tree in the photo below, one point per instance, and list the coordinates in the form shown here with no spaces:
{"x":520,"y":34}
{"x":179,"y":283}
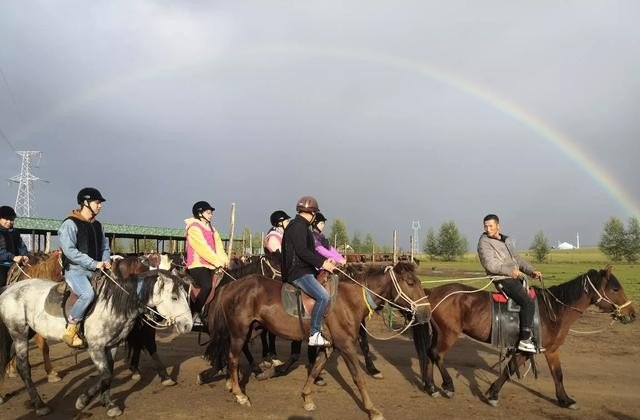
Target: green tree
{"x":451,"y":244}
{"x":368,"y":244}
{"x":613,"y":239}
{"x":356,"y":242}
{"x":540,"y":247}
{"x":338,"y":235}
{"x":431,"y":244}
{"x":632,"y":240}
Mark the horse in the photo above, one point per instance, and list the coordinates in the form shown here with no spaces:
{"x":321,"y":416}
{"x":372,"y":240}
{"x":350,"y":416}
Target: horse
{"x":114,"y":312}
{"x":256,"y":298}
{"x":458,"y":308}
{"x":45,"y":267}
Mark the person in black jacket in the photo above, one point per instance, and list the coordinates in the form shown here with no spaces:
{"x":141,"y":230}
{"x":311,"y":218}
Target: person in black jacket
{"x":12,"y":247}
{"x":300,"y":263}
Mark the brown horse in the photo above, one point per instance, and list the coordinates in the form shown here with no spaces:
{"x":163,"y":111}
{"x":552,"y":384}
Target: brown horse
{"x":257,"y":299}
{"x":44,"y":266}
{"x":458,"y":309}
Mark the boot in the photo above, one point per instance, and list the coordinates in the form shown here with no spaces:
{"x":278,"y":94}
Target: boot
{"x":71,"y":337}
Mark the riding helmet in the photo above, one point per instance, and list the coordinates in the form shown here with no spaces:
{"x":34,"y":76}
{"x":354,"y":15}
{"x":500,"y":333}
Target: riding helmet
{"x":277,"y":217}
{"x":319,"y":218}
{"x":7,"y":212}
{"x":307,"y":204}
{"x":200,"y":207}
{"x":89,"y":194}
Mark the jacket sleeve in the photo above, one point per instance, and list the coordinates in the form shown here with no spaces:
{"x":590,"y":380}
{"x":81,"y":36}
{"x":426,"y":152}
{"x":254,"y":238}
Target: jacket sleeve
{"x":5,"y":255}
{"x":67,"y":235}
{"x":329,"y":253}
{"x":22,"y":248}
{"x":525,"y":267}
{"x":490,"y":261}
{"x":204,"y":251}
{"x":308,"y":255}
{"x":221,"y":255}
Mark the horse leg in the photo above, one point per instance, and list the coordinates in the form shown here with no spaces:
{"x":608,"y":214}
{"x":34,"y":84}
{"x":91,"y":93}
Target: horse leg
{"x":52,"y":375}
{"x":494,"y":390}
{"x":134,"y":364}
{"x":363,"y":339}
{"x":24,"y":370}
{"x":152,"y":348}
{"x":349,"y":355}
{"x":318,"y":365}
{"x":234,"y":372}
{"x":103,"y":360}
{"x":296,"y":348}
{"x":553,"y":360}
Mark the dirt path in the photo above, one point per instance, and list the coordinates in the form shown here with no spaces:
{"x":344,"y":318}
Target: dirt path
{"x":601,"y":373}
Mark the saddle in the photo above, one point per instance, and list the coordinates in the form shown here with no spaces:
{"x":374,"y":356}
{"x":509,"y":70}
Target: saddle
{"x":61,"y":298}
{"x":215,"y":280}
{"x":294,"y":298}
{"x":505,"y":322}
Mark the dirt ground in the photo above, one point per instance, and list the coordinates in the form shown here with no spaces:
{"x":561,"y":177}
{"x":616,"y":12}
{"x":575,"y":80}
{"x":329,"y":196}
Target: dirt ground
{"x":601,"y":373}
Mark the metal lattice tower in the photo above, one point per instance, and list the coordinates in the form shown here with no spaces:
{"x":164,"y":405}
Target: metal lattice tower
{"x":415,"y":225}
{"x":25,"y":198}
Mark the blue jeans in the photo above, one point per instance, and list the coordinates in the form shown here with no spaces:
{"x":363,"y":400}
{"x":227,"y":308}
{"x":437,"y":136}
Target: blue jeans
{"x":79,"y":283}
{"x":310,"y":286}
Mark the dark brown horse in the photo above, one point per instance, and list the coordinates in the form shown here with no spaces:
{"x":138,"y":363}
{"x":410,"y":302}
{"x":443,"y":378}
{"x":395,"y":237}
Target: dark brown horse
{"x":44,"y":266}
{"x":257,"y":299}
{"x":456,"y":311}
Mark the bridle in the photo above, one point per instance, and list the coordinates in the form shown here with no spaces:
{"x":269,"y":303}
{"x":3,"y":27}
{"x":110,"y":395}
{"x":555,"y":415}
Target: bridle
{"x":617,"y":312}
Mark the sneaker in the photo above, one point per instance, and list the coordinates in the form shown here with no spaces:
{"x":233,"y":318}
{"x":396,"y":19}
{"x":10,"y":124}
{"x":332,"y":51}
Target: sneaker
{"x":317,"y":340}
{"x":527,"y":346}
{"x":197,"y":321}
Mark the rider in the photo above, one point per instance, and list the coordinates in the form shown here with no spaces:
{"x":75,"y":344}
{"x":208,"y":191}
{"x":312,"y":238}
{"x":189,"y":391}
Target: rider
{"x":323,"y":247}
{"x":12,"y":247}
{"x":299,"y":262}
{"x":499,"y":258}
{"x":205,"y":252}
{"x":85,"y":249}
{"x":273,"y":239}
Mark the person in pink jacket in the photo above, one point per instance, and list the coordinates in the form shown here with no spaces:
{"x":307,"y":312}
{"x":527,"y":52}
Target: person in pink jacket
{"x":205,"y":252}
{"x":323,"y":247}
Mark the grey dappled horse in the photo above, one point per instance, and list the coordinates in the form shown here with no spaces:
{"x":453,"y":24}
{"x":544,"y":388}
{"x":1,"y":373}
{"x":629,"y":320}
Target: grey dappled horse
{"x":116,"y":308}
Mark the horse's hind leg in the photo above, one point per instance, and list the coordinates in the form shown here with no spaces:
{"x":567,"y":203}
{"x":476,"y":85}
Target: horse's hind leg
{"x":349,"y":356}
{"x":553,"y":360}
{"x":52,"y":375}
{"x":363,"y":339}
{"x":494,"y":390}
{"x":24,"y":370}
{"x":234,"y":371}
{"x":103,"y":360}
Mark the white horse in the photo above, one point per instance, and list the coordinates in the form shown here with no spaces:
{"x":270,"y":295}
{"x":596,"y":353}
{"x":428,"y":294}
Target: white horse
{"x":117,"y":304}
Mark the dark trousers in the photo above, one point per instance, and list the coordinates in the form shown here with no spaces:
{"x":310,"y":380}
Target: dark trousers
{"x":202,"y":276}
{"x":513,"y":288}
{"x":3,"y":275}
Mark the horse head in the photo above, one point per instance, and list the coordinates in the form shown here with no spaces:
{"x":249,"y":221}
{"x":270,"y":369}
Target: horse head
{"x":408,"y":289}
{"x":171,"y":300}
{"x":608,"y":294}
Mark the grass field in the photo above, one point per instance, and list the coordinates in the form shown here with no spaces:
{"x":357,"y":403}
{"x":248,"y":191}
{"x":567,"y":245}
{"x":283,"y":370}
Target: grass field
{"x":561,"y":266}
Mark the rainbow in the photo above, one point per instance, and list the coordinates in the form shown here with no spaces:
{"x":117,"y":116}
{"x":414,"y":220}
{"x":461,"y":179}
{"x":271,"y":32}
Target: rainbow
{"x":548,"y":133}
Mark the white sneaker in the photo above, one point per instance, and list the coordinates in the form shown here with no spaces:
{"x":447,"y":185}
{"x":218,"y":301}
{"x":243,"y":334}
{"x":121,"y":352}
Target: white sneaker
{"x":317,"y":340}
{"x":196,"y":320}
{"x":527,"y":346}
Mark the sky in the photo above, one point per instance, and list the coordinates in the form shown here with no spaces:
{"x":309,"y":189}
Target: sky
{"x":386,"y":112}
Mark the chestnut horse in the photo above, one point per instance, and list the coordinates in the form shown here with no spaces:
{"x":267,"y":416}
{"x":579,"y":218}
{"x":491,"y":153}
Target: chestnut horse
{"x":469,"y":312}
{"x":257,"y":299}
{"x":45,"y":267}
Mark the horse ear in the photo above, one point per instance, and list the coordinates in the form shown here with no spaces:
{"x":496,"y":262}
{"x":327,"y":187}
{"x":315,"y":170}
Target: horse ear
{"x":608,"y":269}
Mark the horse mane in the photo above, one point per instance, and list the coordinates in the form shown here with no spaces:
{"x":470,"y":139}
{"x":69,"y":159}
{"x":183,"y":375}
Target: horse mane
{"x":45,"y":266}
{"x":572,"y":290}
{"x":375,"y":269}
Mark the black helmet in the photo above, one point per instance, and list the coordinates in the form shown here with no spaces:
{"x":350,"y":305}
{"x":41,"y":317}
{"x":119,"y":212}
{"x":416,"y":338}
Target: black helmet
{"x":89,"y":194}
{"x":307,"y":204}
{"x":277,"y":217}
{"x":319,"y":218}
{"x":7,"y":212}
{"x":199,"y":207}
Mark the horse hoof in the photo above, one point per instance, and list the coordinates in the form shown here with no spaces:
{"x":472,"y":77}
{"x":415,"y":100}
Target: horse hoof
{"x":53,"y":377}
{"x":170,"y":382}
{"x":309,"y":406}
{"x":43,"y":411}
{"x":135,"y":376}
{"x":12,"y":374}
{"x":573,"y":406}
{"x":82,"y":402}
{"x":243,"y":400}
{"x":320,"y":382}
{"x":114,"y":412}
{"x":376,"y":415}
{"x":378,"y":375}
{"x":493,"y":403}
{"x":450,"y":394}
{"x":434,"y":394}
{"x":266,"y":374}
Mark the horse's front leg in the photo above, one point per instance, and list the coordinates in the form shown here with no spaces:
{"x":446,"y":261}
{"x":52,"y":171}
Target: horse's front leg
{"x":349,"y":354}
{"x":494,"y":390}
{"x":24,"y":370}
{"x":103,"y":360}
{"x":553,"y":360}
{"x":363,"y":339}
{"x":52,"y":375}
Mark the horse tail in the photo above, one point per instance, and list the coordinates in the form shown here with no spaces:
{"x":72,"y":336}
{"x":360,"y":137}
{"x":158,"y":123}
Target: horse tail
{"x":217,"y":351}
{"x":422,"y":339}
{"x":5,"y":348}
